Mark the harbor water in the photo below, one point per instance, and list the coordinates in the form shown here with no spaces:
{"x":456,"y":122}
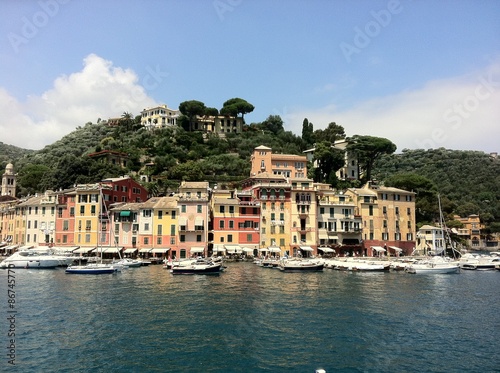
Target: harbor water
{"x":249,"y":319}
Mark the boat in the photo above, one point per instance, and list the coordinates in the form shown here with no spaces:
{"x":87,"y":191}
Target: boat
{"x":92,"y":269}
{"x":199,"y":267}
{"x":301,"y":265}
{"x":128,"y":263}
{"x":27,"y":259}
{"x":438,"y":265}
{"x":479,"y":262}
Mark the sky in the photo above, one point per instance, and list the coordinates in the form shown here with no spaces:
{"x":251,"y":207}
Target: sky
{"x":423,"y":74}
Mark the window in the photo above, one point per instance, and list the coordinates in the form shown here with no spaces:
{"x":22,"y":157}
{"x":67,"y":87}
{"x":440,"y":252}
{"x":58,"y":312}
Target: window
{"x":321,"y":210}
{"x":198,"y":238}
{"x":370,"y":210}
{"x":231,"y":224}
{"x":199,"y":209}
{"x":160,"y":214}
{"x":146,"y":213}
{"x":229,"y":238}
{"x":249,"y":238}
{"x":146,"y":240}
{"x":160,"y":230}
{"x":173,"y":214}
{"x":385,"y":224}
{"x":221,"y":224}
{"x":158,"y":240}
{"x":71,"y":211}
{"x":221,"y":209}
{"x":146,"y":227}
{"x":182,"y":238}
{"x":408,"y":211}
{"x":231,"y":209}
{"x":82,"y":210}
{"x":397,"y":210}
{"x":172,"y":230}
{"x":384,"y":209}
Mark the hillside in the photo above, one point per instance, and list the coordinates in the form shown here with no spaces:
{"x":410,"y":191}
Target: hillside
{"x":467,"y":181}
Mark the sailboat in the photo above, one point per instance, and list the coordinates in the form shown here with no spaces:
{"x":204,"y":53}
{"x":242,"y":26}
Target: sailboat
{"x":439,"y":263}
{"x":98,"y":267}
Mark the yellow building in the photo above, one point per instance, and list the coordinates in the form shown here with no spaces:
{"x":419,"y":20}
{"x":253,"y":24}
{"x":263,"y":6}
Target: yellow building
{"x":388,"y":218}
{"x":89,"y":229}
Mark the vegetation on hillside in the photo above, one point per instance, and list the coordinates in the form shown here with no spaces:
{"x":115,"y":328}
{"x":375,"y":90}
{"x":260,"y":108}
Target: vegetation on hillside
{"x":468,"y":182}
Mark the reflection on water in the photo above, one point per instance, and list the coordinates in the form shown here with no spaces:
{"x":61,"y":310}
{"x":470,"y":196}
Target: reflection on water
{"x":254,"y":319}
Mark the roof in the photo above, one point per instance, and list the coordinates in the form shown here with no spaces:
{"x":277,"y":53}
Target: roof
{"x":262,"y":147}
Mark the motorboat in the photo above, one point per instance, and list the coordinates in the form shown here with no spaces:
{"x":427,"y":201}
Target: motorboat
{"x":128,"y":263}
{"x":92,"y":269}
{"x":479,"y":262}
{"x":201,"y":267}
{"x":436,"y":265}
{"x":27,"y":259}
{"x":301,"y":265}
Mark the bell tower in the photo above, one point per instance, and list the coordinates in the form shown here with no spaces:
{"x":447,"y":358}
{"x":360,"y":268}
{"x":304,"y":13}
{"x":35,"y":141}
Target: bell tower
{"x":9,"y":181}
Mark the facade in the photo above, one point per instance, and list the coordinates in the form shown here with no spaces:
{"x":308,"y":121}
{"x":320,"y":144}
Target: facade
{"x":193,"y":207}
{"x":388,"y":218}
{"x":430,"y":241}
{"x":159,"y":116}
{"x":219,"y":124}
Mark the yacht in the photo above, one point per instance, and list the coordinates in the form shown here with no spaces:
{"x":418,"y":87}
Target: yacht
{"x":27,"y":259}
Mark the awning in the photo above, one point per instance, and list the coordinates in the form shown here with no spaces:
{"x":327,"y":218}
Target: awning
{"x":233,"y":249}
{"x":129,"y":251}
{"x":182,"y":220}
{"x":160,"y":251}
{"x":83,"y":250}
{"x":378,"y":248}
{"x":247,"y":250}
{"x":125,"y":213}
{"x":323,"y":236}
{"x":334,"y":237}
{"x":111,"y":250}
{"x":219,"y":249}
{"x":306,"y":248}
{"x":198,"y":222}
{"x":142,"y":251}
{"x":274,"y":249}
{"x":396,"y":248}
{"x":326,"y":249}
{"x":263,"y":249}
{"x":197,"y":250}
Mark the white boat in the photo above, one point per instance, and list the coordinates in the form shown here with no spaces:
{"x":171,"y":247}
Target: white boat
{"x":301,"y":265}
{"x":201,"y":267}
{"x":436,"y":265}
{"x":471,"y":261}
{"x":27,"y":259}
{"x":128,"y":263}
{"x":92,"y":269}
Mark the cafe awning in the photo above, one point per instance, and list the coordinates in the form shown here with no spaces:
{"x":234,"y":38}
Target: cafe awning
{"x":247,"y":250}
{"x":306,"y":248}
{"x":142,"y":251}
{"x":83,"y":250}
{"x":274,"y":249}
{"x":326,"y":249}
{"x":197,"y":250}
{"x":233,"y":249}
{"x":396,"y":248}
{"x":160,"y":251}
{"x":219,"y":249}
{"x":378,"y":249}
{"x":129,"y":251}
{"x":111,"y":250}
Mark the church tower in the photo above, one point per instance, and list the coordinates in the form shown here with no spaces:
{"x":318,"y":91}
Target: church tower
{"x":9,"y":181}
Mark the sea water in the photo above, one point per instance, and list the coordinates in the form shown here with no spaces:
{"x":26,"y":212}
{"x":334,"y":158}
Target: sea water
{"x":249,"y":319}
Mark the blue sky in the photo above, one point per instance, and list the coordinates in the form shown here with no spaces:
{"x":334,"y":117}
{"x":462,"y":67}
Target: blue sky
{"x":424,"y":74}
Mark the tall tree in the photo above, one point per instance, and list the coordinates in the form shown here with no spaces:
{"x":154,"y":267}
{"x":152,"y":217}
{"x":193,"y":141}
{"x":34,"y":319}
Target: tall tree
{"x":191,"y":109}
{"x":332,"y":133}
{"x":329,"y":160}
{"x":307,"y":133}
{"x":367,"y":149}
{"x":236,"y":106}
{"x":273,"y":123}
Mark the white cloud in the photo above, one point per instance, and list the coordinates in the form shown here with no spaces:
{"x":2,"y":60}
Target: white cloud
{"x":461,"y":113}
{"x":99,"y":90}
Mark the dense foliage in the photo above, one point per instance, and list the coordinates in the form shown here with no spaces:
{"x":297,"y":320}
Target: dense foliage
{"x":468,"y":182}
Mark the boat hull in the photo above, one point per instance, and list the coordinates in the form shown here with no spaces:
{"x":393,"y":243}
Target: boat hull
{"x":197,"y":269}
{"x":91,"y":269}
